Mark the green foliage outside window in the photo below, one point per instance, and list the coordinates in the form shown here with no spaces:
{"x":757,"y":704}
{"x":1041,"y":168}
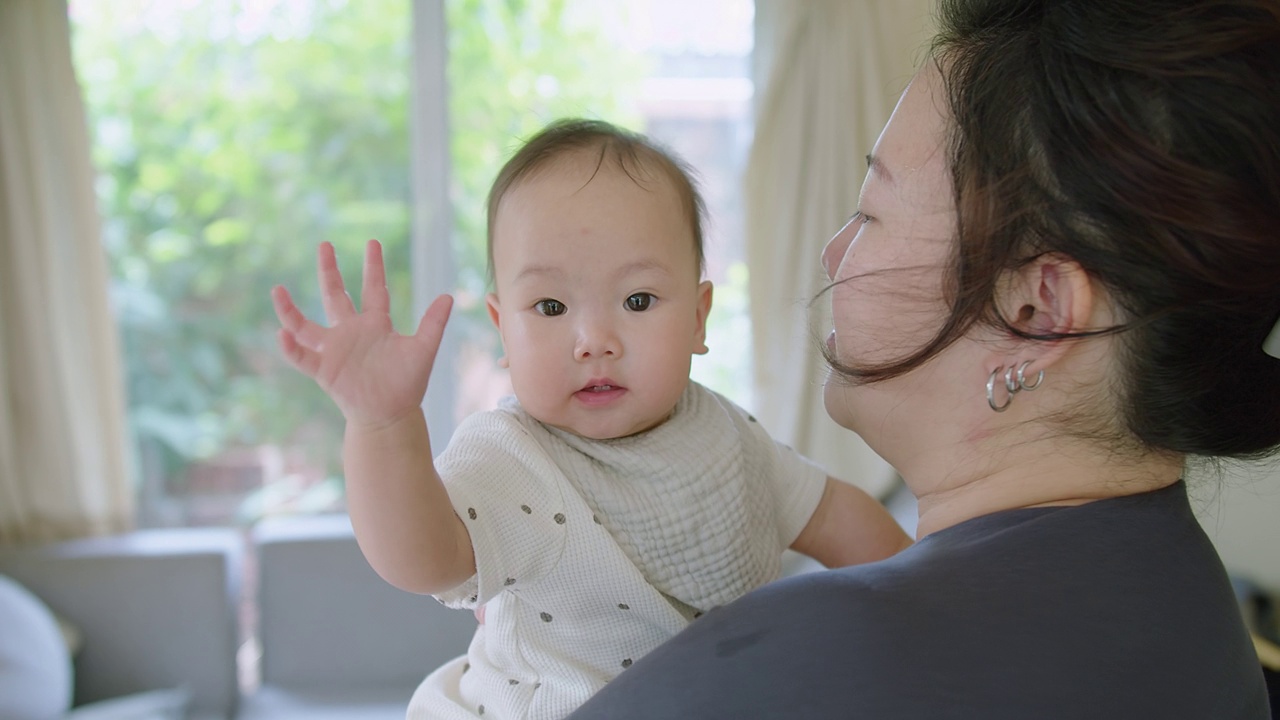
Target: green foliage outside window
{"x":231,"y":137}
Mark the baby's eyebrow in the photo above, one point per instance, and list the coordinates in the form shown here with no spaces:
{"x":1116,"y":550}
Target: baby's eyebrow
{"x":540,"y":270}
{"x":642,"y":266}
{"x":630,"y":268}
{"x":557,"y":273}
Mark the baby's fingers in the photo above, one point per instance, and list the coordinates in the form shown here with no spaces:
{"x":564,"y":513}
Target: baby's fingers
{"x":308,"y":361}
{"x":302,"y":330}
{"x":337,"y":303}
{"x":431,"y":327}
{"x":374,"y":296}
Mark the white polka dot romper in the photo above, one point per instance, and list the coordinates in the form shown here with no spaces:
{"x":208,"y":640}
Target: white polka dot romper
{"x":589,"y":554}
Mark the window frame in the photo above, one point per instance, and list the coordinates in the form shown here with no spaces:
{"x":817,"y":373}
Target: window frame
{"x":431,"y":225}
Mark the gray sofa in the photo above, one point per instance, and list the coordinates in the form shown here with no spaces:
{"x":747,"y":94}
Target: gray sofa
{"x":154,"y":610}
{"x":161,"y":610}
{"x":337,"y":641}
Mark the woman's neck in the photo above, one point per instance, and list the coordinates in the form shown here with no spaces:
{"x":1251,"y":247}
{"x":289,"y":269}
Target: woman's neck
{"x":1048,"y":472}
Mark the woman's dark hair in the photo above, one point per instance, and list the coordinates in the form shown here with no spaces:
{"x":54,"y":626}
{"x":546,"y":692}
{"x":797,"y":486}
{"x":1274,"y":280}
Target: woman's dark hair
{"x":1142,"y":139}
{"x":632,"y":152}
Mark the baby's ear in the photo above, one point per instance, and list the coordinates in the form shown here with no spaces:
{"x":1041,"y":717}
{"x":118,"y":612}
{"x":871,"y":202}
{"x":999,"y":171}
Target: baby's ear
{"x":703,"y":310}
{"x":495,"y":314}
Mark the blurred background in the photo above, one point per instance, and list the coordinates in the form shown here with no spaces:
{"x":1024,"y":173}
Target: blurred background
{"x":230,"y":137}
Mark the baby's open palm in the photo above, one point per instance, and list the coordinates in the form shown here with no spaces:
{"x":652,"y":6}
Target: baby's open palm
{"x":373,"y":373}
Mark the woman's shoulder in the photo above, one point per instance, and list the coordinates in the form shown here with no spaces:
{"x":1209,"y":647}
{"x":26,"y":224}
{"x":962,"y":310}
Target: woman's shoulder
{"x":836,"y":643}
{"x":1049,"y":613}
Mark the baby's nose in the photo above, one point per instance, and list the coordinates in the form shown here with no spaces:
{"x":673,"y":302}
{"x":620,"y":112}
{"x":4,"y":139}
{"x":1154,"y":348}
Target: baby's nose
{"x":598,"y":340}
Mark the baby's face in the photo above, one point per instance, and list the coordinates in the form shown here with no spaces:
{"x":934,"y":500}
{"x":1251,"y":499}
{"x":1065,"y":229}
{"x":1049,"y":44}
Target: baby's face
{"x":598,"y":297}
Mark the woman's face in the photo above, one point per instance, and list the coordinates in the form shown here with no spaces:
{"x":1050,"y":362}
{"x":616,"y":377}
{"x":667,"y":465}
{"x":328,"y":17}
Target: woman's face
{"x":888,"y":264}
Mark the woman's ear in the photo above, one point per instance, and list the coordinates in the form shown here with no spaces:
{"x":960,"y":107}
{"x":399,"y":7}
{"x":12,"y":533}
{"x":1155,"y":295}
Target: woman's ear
{"x":495,"y":314}
{"x":1051,"y":294}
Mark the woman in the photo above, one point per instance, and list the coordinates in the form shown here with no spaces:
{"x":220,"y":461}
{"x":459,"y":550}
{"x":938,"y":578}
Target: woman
{"x":1056,"y":293}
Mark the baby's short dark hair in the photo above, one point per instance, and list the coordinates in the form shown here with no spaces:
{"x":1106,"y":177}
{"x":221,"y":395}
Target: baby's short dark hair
{"x":634,"y":154}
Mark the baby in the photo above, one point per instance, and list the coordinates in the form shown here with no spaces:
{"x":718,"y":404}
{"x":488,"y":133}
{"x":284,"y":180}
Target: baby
{"x":612,"y":501}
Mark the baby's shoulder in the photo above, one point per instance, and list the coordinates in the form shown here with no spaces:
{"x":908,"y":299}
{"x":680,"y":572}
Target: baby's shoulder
{"x":716,"y":413}
{"x":507,"y":423}
{"x":503,"y":437}
{"x":714,"y":409}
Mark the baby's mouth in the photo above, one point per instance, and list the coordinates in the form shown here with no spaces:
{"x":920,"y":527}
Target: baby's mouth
{"x":600,"y":385}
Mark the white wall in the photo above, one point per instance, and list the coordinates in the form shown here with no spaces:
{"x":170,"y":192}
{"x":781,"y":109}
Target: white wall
{"x":1241,"y":513}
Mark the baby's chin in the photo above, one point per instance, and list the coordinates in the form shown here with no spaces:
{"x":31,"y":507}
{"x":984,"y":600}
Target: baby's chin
{"x":608,"y":431}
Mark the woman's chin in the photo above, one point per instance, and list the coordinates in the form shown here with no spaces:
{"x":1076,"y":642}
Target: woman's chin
{"x":835,"y":397}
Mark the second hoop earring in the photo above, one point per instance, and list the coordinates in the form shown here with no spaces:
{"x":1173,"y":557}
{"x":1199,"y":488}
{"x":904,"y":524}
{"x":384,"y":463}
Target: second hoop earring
{"x":1022,"y":378}
{"x":1015,"y":381}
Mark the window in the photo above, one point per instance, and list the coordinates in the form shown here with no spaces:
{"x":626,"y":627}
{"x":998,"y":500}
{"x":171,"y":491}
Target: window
{"x":232,"y":136}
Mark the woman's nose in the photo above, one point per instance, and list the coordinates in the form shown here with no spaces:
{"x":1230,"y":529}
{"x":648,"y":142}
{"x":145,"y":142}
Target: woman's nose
{"x":834,"y":252}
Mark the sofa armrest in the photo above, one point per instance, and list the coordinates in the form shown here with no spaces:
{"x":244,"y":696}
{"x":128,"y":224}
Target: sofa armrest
{"x":155,"y":609}
{"x":328,"y":622}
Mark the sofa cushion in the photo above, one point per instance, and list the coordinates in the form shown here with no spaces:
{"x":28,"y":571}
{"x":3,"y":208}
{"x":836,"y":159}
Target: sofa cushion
{"x":153,"y":705}
{"x":156,"y":609}
{"x":328,"y":622}
{"x":35,"y":664}
{"x":369,"y":703}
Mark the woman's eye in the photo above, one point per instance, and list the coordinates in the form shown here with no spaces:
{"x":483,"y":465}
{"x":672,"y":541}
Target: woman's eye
{"x":639,"y":302}
{"x":550,"y":308}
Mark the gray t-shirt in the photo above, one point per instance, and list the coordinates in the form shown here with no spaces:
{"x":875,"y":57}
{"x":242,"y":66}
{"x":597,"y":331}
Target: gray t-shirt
{"x":1115,"y":610}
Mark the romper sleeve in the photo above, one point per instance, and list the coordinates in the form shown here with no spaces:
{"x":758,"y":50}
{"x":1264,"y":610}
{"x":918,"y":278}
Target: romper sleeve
{"x":796,"y":482}
{"x":504,"y":488}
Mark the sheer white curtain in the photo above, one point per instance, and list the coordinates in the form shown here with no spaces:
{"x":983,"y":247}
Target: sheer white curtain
{"x":828,"y":73}
{"x":63,"y":449}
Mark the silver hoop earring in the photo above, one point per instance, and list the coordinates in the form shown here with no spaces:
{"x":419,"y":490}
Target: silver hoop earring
{"x":991,"y":392}
{"x":1010,"y":382}
{"x":1022,"y":378}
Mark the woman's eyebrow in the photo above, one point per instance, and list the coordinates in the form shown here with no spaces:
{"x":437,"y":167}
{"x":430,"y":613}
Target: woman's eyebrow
{"x":876,"y":164}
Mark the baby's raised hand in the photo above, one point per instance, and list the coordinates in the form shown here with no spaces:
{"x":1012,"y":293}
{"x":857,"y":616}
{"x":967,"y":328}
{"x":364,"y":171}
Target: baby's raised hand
{"x":373,"y":373}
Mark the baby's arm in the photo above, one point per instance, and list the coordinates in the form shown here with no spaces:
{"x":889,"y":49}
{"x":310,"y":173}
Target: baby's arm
{"x":403,"y":519}
{"x":850,"y":527}
{"x":404,"y":522}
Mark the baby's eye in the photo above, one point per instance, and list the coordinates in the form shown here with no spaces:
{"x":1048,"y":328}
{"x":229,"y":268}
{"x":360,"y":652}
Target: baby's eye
{"x":639,"y":302}
{"x":549,"y":307}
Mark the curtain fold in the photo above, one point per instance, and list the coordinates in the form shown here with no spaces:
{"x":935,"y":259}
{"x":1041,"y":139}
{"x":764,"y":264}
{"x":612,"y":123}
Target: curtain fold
{"x":829,"y":73}
{"x":64,"y":463}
